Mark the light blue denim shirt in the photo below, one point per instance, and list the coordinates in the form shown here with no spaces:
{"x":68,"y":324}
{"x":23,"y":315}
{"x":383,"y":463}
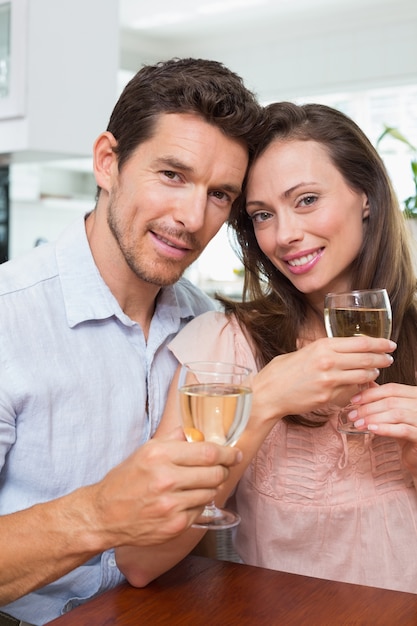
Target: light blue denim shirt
{"x":75,"y":373}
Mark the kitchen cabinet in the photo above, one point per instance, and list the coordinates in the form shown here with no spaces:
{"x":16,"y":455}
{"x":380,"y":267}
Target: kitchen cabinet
{"x":58,"y":76}
{"x":4,"y":213}
{"x":12,"y":58}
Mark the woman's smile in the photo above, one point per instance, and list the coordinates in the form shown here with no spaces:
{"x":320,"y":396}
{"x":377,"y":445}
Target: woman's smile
{"x":305,"y":261}
{"x":307,"y":220}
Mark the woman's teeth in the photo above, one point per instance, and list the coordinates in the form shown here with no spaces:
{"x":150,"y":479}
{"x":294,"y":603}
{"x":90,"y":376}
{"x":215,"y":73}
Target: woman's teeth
{"x":302,"y":260}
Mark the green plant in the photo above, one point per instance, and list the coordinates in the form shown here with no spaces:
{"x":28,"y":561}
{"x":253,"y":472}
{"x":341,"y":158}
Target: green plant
{"x":410,"y":203}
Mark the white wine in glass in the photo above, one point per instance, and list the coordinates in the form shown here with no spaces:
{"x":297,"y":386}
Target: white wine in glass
{"x":215,"y":402}
{"x":355,"y":313}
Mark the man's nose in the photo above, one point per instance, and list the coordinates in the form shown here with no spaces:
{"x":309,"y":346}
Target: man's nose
{"x":191,"y":210}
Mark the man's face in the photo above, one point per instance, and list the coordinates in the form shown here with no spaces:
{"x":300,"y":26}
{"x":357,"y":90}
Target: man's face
{"x":172,"y":196}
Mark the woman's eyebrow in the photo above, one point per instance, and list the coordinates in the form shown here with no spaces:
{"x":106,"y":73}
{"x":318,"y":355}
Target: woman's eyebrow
{"x":256,"y":203}
{"x":285,"y":194}
{"x":291,"y":190}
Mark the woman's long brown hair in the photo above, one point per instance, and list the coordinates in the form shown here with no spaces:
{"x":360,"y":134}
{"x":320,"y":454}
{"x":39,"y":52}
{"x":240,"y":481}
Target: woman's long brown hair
{"x":272,"y":310}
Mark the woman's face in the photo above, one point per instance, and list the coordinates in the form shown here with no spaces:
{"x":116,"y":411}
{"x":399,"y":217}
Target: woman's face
{"x":307,"y":220}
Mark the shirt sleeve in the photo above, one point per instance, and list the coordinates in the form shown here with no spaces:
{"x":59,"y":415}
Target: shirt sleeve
{"x":213,"y":337}
{"x":7,"y":413}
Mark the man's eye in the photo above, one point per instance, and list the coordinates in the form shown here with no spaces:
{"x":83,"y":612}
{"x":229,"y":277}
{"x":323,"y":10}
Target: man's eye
{"x":220,"y":195}
{"x":170,"y":174}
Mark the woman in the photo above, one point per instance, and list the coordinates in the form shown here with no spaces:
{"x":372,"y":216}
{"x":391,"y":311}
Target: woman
{"x":319,"y":216}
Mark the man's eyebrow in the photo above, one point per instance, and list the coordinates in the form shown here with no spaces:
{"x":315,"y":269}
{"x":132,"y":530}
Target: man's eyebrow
{"x":171,"y":161}
{"x":234,"y":189}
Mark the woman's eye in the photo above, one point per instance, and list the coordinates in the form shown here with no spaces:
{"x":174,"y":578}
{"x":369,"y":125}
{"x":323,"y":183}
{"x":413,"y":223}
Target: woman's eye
{"x":258,"y":218}
{"x":308,"y":200}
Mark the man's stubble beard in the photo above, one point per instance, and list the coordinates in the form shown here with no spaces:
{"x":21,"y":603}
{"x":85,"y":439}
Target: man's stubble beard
{"x":136,"y":260}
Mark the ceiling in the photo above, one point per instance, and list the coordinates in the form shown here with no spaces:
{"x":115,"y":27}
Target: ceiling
{"x":193,"y":18}
{"x":151,"y":30}
{"x":232,"y":31}
{"x":188,"y":16}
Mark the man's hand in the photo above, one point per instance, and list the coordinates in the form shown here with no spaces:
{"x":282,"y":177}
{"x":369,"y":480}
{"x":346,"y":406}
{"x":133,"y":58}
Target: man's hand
{"x":159,"y":490}
{"x":148,"y":499}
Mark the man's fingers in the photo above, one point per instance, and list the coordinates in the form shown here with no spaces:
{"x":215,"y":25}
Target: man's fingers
{"x":174,"y":435}
{"x":202,"y":453}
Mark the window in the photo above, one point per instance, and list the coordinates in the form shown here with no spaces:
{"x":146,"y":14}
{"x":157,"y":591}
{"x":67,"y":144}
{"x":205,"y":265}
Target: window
{"x":372,"y":110}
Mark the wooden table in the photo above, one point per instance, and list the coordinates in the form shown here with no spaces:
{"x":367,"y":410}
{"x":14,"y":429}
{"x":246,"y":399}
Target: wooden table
{"x":206,"y":592}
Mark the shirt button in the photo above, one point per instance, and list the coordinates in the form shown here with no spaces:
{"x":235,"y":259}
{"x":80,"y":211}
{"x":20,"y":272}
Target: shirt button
{"x":112,"y":561}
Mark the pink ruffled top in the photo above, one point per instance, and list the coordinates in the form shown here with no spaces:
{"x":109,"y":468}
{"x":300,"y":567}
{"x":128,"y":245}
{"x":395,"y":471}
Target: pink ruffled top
{"x":314,"y":501}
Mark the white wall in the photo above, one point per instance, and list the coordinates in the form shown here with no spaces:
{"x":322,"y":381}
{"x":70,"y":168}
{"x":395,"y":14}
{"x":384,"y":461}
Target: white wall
{"x":343,"y":50}
{"x":70,"y":79}
{"x":31,"y":221}
{"x":346,"y":47}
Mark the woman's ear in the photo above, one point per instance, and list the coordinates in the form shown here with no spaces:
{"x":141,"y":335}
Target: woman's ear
{"x":365,"y":209}
{"x":105,"y":160}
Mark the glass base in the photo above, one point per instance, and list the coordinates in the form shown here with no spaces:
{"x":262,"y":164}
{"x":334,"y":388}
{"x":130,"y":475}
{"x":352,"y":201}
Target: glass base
{"x":351,"y":430}
{"x":213,"y":518}
{"x":345,"y":425}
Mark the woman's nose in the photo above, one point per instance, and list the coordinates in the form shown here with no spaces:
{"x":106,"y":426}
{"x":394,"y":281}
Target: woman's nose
{"x":289,"y":229}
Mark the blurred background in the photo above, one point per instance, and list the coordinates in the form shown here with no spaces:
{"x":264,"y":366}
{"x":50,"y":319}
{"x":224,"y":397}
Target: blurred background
{"x":63,"y":65}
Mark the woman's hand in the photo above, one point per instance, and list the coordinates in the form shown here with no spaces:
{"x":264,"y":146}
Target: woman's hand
{"x":325,"y":371}
{"x":390,"y":410}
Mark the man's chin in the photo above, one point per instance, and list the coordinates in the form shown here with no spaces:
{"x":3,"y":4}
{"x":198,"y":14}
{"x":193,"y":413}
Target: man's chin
{"x":161,"y":279}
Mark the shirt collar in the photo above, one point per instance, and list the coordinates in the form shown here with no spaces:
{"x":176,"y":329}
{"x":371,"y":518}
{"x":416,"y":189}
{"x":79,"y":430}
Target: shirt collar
{"x":87,"y":296}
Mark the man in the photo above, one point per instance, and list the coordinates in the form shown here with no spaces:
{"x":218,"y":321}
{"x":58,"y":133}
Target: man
{"x":84,"y":325}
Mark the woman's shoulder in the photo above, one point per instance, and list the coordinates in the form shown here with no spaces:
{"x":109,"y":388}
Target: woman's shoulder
{"x":208,"y":322}
{"x":206,"y":328}
{"x":212,"y":336}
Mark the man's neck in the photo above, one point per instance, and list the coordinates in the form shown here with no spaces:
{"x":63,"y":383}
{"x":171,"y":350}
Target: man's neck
{"x":136,"y":297}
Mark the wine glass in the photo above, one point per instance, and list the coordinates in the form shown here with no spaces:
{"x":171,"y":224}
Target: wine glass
{"x":354,"y":313}
{"x":215,"y":402}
